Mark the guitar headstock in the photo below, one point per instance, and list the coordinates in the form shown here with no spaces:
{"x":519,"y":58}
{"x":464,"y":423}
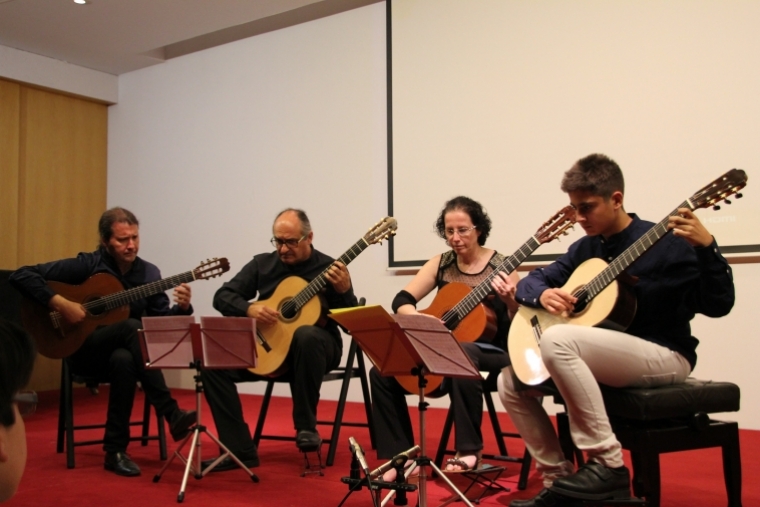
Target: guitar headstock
{"x":719,"y":190}
{"x":558,"y":225}
{"x":211,"y":268}
{"x":384,"y":229}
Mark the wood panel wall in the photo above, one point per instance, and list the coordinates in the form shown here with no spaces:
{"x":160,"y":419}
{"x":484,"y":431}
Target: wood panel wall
{"x":52,"y":183}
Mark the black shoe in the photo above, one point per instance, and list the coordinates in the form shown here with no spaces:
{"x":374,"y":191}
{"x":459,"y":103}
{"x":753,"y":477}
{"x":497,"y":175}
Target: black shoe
{"x":180,"y":423}
{"x":546,"y":498}
{"x":120,"y":464}
{"x":594,"y":481}
{"x":229,"y":464}
{"x":307,"y":440}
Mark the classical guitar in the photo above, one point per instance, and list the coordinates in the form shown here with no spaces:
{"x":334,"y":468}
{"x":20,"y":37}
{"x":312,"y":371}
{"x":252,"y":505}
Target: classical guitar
{"x":297,"y":305}
{"x":105,"y":301}
{"x":602,"y":300}
{"x":461,"y":308}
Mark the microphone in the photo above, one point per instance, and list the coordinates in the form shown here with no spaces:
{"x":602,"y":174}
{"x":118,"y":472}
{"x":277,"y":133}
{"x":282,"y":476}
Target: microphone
{"x":356,"y":449}
{"x":397,"y":460}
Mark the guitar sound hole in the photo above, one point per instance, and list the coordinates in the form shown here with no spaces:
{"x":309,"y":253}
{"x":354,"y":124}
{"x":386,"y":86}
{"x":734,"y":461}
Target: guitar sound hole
{"x":96,"y":307}
{"x":451,"y":320}
{"x":288,"y":311}
{"x":580,"y":306}
{"x":582,"y":303}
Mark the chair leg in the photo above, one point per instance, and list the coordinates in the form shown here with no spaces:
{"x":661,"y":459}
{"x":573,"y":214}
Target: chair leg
{"x":495,"y":424}
{"x":161,"y":437}
{"x":367,"y":399}
{"x":527,"y":460}
{"x":445,"y":434}
{"x":68,"y":418}
{"x":732,"y":466}
{"x":336,"y":425}
{"x":145,"y":423}
{"x":646,"y":476}
{"x":572,"y":453}
{"x":61,"y":409}
{"x":263,"y":413}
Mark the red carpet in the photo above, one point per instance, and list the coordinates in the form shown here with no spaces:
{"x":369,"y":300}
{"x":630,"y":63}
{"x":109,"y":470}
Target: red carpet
{"x":689,"y":479}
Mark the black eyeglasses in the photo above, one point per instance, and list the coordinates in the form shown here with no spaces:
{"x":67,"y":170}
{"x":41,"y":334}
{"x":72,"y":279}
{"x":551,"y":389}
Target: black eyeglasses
{"x":290,"y":243}
{"x":26,"y":401}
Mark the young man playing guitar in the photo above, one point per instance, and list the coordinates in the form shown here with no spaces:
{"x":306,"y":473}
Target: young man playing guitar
{"x":113,"y":351}
{"x":315,"y":349}
{"x":680,"y":275}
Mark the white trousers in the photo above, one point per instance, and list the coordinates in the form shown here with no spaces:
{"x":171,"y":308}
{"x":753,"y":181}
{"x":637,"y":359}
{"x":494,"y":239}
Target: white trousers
{"x":579,"y":358}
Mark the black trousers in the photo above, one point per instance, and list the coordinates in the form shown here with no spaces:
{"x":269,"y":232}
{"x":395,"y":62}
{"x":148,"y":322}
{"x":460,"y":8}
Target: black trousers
{"x":112,"y":354}
{"x":393,"y":426}
{"x":313,"y":352}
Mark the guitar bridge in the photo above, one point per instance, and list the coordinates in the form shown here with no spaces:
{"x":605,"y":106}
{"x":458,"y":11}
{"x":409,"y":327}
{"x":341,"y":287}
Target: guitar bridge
{"x":536,"y":327}
{"x":264,"y":344}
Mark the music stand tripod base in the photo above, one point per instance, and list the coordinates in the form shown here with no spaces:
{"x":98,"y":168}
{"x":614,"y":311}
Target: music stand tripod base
{"x":218,"y":342}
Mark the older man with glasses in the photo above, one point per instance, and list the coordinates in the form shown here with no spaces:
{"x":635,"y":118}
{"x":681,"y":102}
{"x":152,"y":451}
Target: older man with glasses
{"x":314,"y":349}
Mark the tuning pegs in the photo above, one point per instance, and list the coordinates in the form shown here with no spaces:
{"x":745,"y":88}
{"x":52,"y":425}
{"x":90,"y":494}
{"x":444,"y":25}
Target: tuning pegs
{"x":716,"y":207}
{"x":739,"y":196}
{"x":726,"y":201}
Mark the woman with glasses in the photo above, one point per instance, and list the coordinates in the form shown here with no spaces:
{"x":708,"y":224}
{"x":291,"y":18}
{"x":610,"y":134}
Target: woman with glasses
{"x":465,"y":226}
{"x":16,"y":362}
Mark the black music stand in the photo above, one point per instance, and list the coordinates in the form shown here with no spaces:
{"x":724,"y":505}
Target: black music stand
{"x":404,"y":345}
{"x":215,"y":343}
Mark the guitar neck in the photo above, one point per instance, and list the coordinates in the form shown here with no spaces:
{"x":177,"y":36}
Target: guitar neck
{"x":319,"y":283}
{"x":479,"y":293}
{"x":625,"y":259}
{"x":126,"y":297}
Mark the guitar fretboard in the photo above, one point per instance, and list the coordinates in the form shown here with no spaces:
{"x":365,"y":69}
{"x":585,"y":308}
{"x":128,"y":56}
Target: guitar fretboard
{"x":125,"y":297}
{"x":625,"y":259}
{"x":292,"y":307}
{"x":452,"y":317}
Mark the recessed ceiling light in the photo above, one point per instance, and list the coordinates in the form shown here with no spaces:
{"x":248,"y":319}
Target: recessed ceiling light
{"x":81,"y":2}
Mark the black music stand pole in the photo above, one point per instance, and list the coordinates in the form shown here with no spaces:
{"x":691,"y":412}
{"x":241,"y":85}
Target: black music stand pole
{"x":218,"y":342}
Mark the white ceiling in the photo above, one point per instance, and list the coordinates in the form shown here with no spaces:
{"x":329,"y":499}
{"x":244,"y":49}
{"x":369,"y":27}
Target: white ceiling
{"x":118,"y":36}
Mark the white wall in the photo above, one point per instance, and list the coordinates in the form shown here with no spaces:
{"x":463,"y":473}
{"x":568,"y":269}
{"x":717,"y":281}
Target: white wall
{"x":207,"y":148}
{"x":668,"y":87}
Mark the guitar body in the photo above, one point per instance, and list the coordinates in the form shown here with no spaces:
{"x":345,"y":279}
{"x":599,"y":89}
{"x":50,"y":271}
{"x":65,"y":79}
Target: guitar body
{"x":481,"y":321}
{"x":613,"y":308}
{"x":280,"y":335}
{"x":61,"y":341}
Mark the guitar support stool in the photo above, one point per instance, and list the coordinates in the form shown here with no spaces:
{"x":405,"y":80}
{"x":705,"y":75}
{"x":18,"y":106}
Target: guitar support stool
{"x":485,"y":476}
{"x":310,"y":468}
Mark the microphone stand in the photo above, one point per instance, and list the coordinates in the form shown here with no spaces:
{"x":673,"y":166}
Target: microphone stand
{"x":422,"y":460}
{"x":356,"y":482}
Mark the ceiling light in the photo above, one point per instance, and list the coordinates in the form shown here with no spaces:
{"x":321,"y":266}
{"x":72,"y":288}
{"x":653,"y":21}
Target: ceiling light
{"x":81,"y":2}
